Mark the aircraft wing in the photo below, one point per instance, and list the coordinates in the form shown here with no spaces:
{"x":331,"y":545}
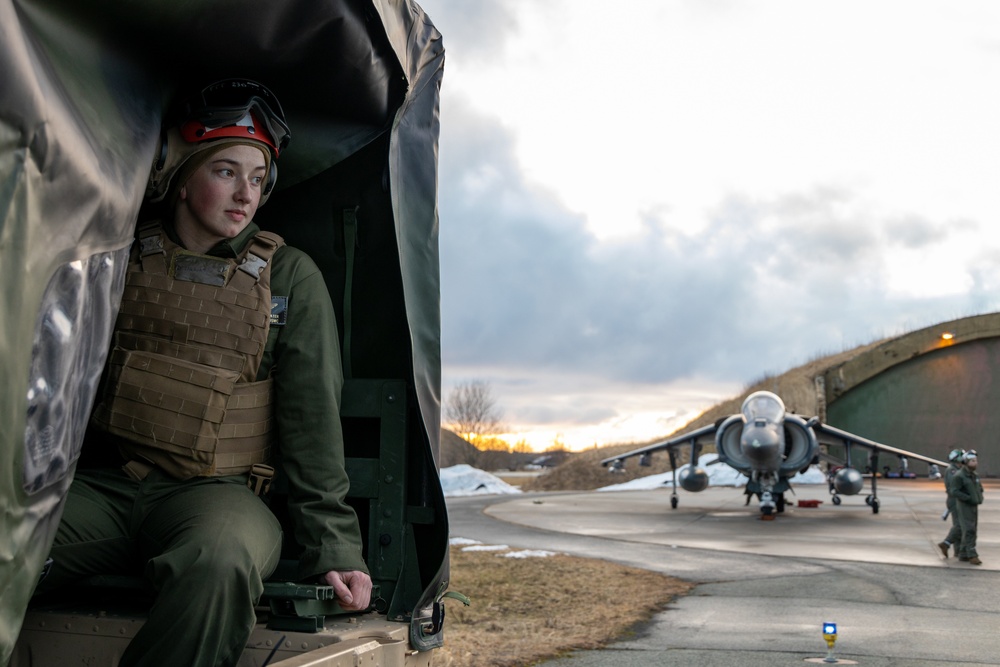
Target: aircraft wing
{"x":698,"y":438}
{"x":828,"y":435}
{"x":769,"y":445}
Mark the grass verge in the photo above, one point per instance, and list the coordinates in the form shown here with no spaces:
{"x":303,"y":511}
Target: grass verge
{"x":528,"y":609}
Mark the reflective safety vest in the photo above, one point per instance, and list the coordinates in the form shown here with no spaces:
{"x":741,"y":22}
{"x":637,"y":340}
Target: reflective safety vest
{"x":181,"y":383}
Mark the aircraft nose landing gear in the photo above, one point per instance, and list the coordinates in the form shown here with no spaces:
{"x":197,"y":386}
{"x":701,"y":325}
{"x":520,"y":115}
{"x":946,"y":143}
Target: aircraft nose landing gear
{"x":767,"y":506}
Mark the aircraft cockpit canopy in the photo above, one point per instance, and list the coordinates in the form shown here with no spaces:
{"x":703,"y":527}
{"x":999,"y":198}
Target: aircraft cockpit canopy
{"x":762,"y":405}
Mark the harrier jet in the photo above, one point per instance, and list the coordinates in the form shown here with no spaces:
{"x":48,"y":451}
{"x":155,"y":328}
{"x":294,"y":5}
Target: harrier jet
{"x":770,"y":446}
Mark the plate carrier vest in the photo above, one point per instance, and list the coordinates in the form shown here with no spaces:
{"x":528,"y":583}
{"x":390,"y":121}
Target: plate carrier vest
{"x":181,"y":383}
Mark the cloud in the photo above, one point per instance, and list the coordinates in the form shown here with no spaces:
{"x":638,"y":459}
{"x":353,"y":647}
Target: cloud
{"x":915,"y":231}
{"x":766,"y":284}
{"x":477,"y":30}
{"x":746,"y":226}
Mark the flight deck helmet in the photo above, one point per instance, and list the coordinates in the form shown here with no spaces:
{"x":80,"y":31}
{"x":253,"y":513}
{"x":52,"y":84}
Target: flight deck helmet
{"x":232,"y":111}
{"x":956,"y":456}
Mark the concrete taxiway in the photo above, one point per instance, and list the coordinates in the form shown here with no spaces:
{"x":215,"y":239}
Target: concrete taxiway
{"x":766,"y":587}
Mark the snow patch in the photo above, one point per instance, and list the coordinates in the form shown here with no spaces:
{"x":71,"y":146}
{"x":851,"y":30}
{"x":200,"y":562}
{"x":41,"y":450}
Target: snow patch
{"x":464,"y":480}
{"x":476,"y":545}
{"x":529,"y":553}
{"x":487,"y":547}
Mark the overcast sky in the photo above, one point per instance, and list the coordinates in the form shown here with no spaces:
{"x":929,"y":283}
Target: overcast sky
{"x":645,"y":209}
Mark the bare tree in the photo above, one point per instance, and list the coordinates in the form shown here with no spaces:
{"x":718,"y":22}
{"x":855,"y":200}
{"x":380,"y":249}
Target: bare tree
{"x":471,"y":410}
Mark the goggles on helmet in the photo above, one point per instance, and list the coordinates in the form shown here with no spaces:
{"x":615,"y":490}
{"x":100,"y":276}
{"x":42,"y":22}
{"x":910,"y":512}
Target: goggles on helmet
{"x":232,"y":103}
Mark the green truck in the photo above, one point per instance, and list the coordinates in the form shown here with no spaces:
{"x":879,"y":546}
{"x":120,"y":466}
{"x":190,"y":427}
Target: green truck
{"x":85,"y":87}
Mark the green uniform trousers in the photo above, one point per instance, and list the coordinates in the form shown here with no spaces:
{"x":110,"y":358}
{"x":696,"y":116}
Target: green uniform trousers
{"x":955,"y":534}
{"x":968,"y":518}
{"x":204,"y":544}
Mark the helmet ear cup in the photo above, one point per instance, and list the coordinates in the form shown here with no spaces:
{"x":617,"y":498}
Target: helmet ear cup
{"x":272,"y":177}
{"x":159,"y":174}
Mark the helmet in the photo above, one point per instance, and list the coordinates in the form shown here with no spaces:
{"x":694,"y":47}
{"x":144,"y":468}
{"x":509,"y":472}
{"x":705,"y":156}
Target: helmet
{"x":969,"y":455}
{"x":230,"y":111}
{"x":956,"y":455}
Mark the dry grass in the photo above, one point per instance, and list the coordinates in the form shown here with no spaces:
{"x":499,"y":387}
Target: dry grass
{"x":529,"y":609}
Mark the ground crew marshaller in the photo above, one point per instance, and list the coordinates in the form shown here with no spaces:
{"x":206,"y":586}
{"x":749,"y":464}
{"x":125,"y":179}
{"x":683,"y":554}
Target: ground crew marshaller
{"x":226,"y":364}
{"x":954,"y":537}
{"x":968,"y":492}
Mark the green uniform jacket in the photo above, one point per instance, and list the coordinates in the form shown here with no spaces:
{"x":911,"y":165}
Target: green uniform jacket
{"x":303,"y":355}
{"x":949,"y":482}
{"x":966,"y":487}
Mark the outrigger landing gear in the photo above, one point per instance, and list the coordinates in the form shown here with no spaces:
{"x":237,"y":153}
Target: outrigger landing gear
{"x":674,"y":499}
{"x":872,"y":500}
{"x":692,"y":479}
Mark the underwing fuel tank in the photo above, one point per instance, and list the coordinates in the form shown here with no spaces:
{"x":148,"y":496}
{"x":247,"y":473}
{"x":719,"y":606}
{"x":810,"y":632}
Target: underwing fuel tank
{"x":765,"y":438}
{"x":848,"y":481}
{"x":693,"y":479}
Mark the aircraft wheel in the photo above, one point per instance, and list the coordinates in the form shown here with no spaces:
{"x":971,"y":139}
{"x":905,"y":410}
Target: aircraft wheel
{"x":875,"y":503}
{"x":836,"y":500}
{"x":673,"y":502}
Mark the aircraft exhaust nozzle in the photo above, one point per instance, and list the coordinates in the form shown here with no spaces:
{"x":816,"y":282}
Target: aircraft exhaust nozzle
{"x":693,"y":479}
{"x":847,"y":481}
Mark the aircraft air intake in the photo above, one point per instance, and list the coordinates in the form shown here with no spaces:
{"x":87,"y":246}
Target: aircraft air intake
{"x":801,"y":445}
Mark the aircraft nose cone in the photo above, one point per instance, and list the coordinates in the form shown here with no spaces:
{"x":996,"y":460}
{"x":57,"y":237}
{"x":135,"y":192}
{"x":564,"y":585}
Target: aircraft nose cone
{"x":762,"y":446}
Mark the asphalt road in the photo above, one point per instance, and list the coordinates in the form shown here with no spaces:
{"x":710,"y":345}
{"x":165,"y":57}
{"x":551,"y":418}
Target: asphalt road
{"x":766,"y":587}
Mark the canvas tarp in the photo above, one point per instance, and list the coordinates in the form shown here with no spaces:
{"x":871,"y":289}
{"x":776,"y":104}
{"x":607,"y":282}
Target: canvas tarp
{"x":83,"y":90}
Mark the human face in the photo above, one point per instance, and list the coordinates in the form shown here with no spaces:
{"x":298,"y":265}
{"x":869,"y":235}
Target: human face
{"x":220,"y":198}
